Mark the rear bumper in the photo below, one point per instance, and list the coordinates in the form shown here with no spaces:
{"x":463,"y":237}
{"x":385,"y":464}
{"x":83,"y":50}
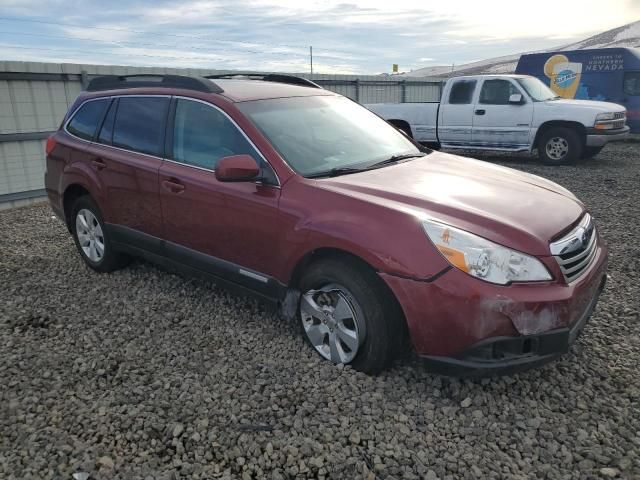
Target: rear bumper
{"x":597,"y":138}
{"x":503,"y":355}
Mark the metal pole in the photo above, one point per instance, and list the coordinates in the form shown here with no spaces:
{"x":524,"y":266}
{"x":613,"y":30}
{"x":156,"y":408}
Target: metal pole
{"x":311,"y":58}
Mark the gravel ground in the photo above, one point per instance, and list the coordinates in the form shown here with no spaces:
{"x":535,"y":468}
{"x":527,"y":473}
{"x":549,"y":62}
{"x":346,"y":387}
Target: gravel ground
{"x":144,"y":374}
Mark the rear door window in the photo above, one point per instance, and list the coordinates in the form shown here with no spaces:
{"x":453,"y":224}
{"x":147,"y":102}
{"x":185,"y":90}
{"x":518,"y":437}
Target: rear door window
{"x":139,"y":124}
{"x":88,"y":118}
{"x":462,"y":92}
{"x":202,"y":135}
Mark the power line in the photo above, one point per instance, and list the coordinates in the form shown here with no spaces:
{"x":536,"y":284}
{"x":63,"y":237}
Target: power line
{"x":177,"y":35}
{"x":303,"y":60}
{"x":134,"y":44}
{"x":167,"y":57}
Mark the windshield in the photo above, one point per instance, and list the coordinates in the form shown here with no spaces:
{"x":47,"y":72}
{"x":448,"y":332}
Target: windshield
{"x":324,"y":133}
{"x":537,"y":90}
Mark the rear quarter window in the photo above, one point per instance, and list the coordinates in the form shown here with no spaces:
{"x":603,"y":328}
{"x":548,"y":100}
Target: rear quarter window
{"x":86,"y":120}
{"x":139,"y":124}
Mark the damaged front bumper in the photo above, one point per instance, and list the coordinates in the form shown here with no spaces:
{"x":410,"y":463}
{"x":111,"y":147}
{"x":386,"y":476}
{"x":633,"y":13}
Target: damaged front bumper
{"x":511,"y":354}
{"x":463,"y":326}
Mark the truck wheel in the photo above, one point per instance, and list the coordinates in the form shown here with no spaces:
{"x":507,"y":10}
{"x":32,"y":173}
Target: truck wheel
{"x":403,"y":126}
{"x":590,"y":152}
{"x":348,"y":317}
{"x":559,"y":146}
{"x":92,"y":239}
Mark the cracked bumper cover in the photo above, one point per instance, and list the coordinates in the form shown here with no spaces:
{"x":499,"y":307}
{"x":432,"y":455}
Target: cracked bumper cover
{"x":461,"y":325}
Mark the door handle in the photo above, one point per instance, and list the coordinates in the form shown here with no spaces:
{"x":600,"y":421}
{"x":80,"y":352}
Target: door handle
{"x":173,"y":185}
{"x":480,"y":112}
{"x":98,"y":163}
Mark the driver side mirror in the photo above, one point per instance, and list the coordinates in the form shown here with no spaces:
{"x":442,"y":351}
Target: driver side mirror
{"x":237,"y":168}
{"x":516,"y":99}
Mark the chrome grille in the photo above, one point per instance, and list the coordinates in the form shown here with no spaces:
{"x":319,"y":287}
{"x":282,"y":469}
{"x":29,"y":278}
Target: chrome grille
{"x":619,"y":115}
{"x":618,"y":124}
{"x":575,"y":251}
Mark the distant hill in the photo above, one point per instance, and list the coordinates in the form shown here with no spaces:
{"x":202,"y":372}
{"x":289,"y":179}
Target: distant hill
{"x":625,"y":36}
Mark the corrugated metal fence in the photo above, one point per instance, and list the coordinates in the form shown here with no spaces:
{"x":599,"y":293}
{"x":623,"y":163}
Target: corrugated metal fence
{"x":34,"y":98}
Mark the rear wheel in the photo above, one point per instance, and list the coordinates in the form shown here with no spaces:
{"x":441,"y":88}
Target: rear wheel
{"x":559,"y":146}
{"x":403,"y":126}
{"x":590,"y":152}
{"x":348,"y":317}
{"x":91,"y":237}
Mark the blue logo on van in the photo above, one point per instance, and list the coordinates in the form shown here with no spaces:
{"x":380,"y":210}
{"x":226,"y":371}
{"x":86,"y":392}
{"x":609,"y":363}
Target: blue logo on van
{"x":565,"y":78}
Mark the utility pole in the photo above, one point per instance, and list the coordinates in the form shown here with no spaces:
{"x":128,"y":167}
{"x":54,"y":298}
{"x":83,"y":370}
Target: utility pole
{"x":311,"y":58}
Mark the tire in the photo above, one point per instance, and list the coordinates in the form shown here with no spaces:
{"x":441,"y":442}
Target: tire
{"x":402,"y":126}
{"x":363,"y":326}
{"x":432,"y":146}
{"x":559,"y":146}
{"x":590,"y":152}
{"x":91,"y":237}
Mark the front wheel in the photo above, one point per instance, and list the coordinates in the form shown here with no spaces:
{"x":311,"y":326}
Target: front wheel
{"x":348,"y":317}
{"x":559,"y":146}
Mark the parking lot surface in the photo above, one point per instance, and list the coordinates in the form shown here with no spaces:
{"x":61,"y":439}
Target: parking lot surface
{"x":145,"y":374}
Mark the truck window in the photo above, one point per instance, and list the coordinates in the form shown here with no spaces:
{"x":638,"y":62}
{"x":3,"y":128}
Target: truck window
{"x":632,"y":83}
{"x":462,"y":91}
{"x":497,"y":92}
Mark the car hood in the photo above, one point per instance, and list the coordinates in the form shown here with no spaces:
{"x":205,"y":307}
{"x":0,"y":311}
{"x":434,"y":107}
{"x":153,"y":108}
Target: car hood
{"x":512,"y":208}
{"x":587,"y":104}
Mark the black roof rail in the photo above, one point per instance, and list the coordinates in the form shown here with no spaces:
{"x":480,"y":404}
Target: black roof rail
{"x":113,"y":82}
{"x":268,"y":77}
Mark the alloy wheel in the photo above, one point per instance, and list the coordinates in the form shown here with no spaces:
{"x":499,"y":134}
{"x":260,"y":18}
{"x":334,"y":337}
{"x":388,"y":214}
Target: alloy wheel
{"x":557,"y":148}
{"x":332,"y":320}
{"x":90,"y":236}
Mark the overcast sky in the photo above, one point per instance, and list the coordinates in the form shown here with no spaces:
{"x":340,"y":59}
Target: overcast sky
{"x":347,"y":36}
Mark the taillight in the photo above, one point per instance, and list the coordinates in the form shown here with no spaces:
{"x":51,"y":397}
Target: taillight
{"x":51,"y":144}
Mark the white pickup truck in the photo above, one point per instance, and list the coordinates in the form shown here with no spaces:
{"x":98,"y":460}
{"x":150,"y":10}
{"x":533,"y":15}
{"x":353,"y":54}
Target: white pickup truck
{"x":515,"y":113}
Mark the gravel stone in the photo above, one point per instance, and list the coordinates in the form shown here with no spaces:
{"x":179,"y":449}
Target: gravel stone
{"x":609,"y":472}
{"x":177,"y":430}
{"x":145,"y":374}
{"x":105,"y":462}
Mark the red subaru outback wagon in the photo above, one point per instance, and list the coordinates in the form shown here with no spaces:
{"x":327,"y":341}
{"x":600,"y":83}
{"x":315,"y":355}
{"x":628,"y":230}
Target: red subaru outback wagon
{"x":272,"y":184}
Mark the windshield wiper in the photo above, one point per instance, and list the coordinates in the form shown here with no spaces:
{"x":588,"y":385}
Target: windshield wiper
{"x":397,"y":158}
{"x":334,"y":172}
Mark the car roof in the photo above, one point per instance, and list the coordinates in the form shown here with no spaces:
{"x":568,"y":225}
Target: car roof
{"x":244,"y":90}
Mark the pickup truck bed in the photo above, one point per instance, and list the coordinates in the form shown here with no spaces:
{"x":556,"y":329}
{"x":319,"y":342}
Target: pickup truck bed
{"x":423,"y":116}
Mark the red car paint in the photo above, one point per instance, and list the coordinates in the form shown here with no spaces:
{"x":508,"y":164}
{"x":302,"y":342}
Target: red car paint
{"x":374,"y":215}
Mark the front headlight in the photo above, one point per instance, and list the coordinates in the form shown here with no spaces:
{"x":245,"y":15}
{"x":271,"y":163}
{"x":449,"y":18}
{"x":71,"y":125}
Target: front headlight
{"x":605,"y":116}
{"x":484,"y":259}
{"x":607,"y":121}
